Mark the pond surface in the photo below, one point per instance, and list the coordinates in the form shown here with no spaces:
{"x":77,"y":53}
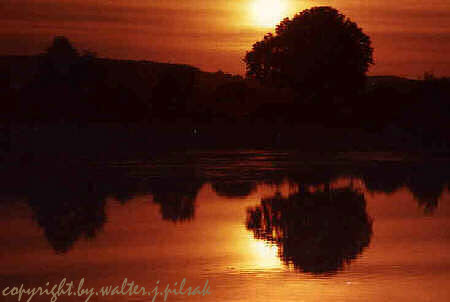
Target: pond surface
{"x":258,"y":225}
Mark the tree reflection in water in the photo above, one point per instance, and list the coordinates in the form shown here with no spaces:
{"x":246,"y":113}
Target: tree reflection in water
{"x":67,"y":206}
{"x":316,"y":232}
{"x":66,"y":221}
{"x":176,"y":198}
{"x":234,"y":188}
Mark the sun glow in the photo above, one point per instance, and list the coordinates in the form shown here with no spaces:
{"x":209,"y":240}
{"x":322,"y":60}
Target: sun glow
{"x":268,"y":13}
{"x":264,"y":255}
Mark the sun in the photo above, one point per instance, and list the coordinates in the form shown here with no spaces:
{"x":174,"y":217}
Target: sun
{"x":268,"y":13}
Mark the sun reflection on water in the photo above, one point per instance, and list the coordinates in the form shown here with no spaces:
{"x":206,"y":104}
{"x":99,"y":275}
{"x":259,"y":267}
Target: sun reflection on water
{"x":265,"y":255}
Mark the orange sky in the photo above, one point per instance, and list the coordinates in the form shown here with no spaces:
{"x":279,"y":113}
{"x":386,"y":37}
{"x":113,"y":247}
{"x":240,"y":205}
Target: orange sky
{"x":409,"y":36}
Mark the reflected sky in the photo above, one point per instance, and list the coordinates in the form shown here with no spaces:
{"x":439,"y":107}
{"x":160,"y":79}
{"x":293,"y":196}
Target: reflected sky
{"x":135,"y":237}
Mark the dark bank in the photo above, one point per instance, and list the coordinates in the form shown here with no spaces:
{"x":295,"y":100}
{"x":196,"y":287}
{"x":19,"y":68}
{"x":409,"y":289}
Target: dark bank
{"x":77,"y":101}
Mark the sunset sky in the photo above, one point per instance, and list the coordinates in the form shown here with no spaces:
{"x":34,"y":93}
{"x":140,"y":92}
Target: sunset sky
{"x":409,"y":36}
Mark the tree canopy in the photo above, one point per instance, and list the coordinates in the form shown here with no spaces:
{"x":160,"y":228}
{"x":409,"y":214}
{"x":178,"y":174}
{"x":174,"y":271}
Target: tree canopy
{"x":319,"y":51}
{"x":62,"y":47}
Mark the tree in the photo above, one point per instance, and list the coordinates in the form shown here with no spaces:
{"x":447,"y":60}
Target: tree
{"x":61,"y":47}
{"x":60,"y":58}
{"x":319,"y":52}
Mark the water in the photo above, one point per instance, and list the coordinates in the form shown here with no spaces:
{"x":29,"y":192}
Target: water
{"x":258,"y":225}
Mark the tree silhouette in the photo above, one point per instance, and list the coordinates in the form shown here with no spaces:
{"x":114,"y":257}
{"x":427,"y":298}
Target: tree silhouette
{"x":61,"y":55}
{"x":319,"y":53}
{"x":61,"y":47}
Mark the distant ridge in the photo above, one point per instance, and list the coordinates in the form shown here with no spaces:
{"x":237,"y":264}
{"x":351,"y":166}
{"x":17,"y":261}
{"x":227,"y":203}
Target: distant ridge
{"x":376,"y":79}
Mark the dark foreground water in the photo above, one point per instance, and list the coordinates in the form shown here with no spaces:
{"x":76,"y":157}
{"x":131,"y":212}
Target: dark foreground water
{"x":258,"y":225}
